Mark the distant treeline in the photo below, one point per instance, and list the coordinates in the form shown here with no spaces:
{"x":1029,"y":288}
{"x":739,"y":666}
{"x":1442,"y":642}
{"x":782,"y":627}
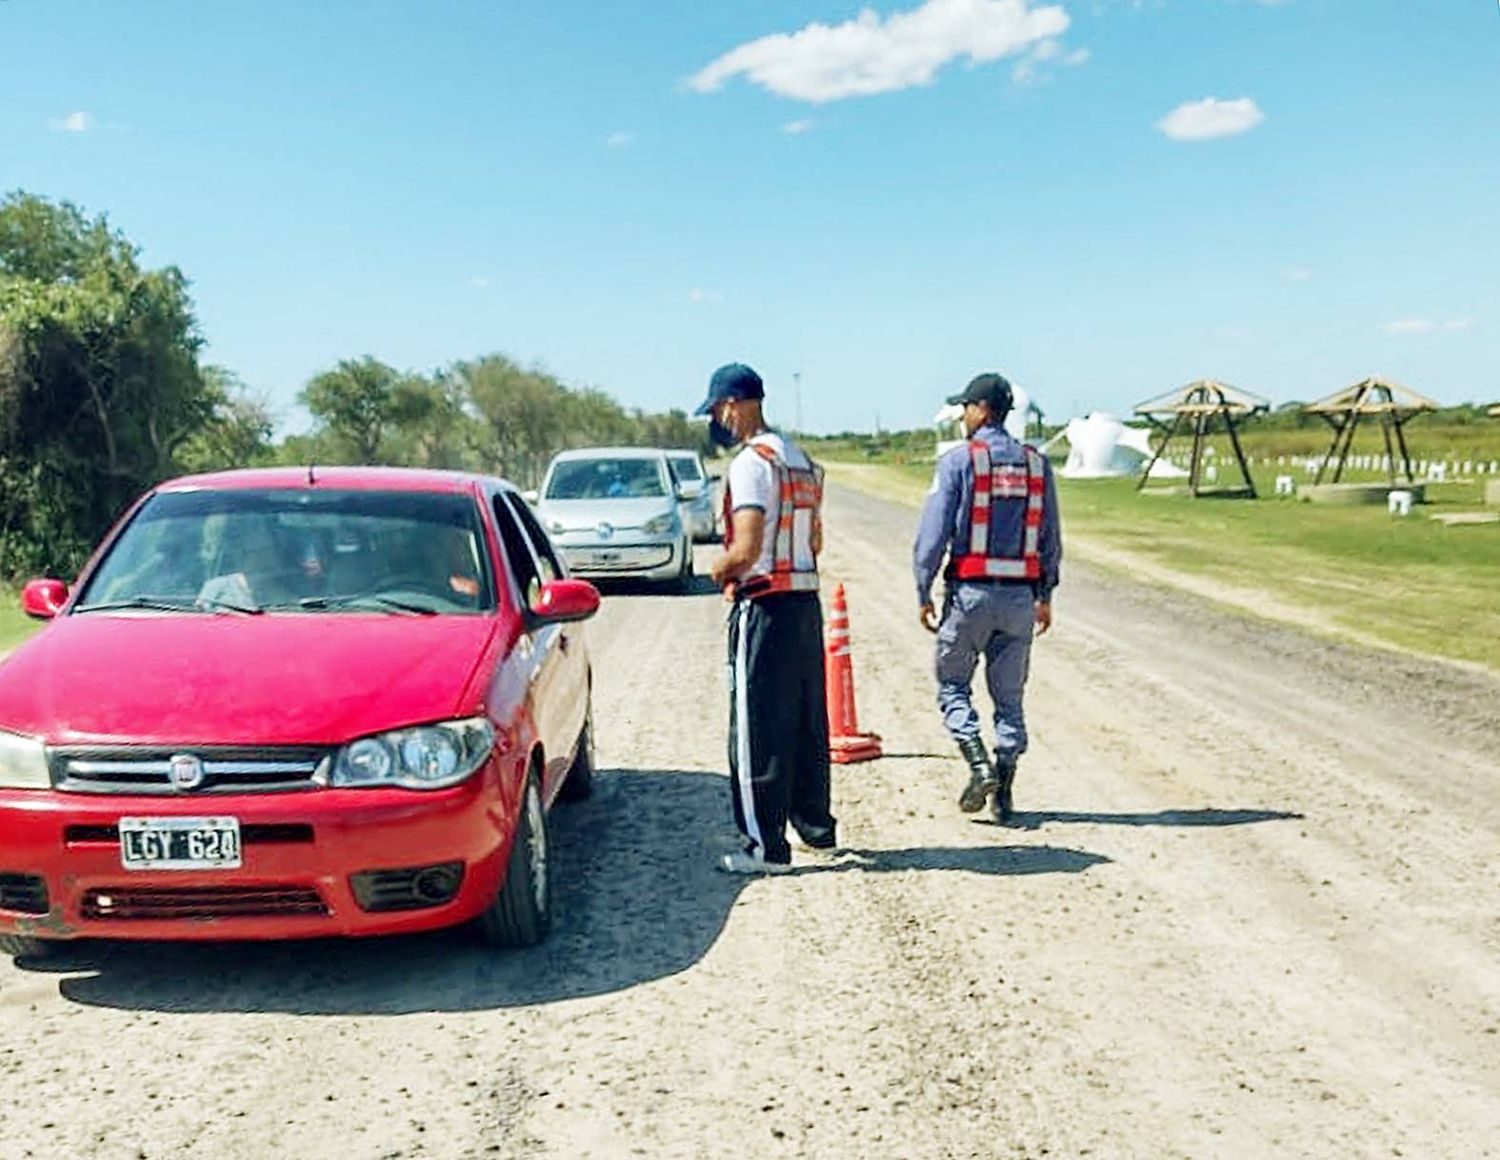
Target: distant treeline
{"x":102,"y":394}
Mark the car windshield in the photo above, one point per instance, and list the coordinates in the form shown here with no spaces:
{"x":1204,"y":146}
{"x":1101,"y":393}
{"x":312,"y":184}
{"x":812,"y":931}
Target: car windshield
{"x":297,"y":550}
{"x":685,"y":469}
{"x":606,"y":479}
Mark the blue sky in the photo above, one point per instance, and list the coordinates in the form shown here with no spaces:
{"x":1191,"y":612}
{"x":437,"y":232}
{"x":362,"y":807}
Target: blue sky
{"x":1102,"y":198}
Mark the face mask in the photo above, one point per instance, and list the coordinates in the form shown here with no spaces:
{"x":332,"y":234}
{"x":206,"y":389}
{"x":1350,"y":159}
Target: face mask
{"x":721,"y":435}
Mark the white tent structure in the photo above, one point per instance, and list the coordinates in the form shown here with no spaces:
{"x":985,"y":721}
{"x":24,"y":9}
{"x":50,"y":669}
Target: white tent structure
{"x":1101,"y":446}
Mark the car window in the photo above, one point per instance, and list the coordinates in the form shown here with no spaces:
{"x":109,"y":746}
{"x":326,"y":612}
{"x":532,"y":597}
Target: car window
{"x":547,"y":564}
{"x":297,"y":549}
{"x":518,"y":553}
{"x":685,"y":467}
{"x":606,"y":478}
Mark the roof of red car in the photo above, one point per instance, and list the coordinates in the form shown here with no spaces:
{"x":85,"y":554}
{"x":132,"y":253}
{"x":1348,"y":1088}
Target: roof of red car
{"x":348,"y":478}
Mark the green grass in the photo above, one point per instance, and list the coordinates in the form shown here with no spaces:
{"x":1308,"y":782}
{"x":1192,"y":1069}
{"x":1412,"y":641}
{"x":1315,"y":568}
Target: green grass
{"x":15,"y":625}
{"x":1411,"y":583}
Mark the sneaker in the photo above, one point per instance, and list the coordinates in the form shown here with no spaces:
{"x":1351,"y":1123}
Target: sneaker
{"x":798,"y":842}
{"x":744,"y":862}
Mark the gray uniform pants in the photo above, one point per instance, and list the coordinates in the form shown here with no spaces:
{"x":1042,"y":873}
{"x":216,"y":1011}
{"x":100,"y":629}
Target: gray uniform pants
{"x":994,"y":621}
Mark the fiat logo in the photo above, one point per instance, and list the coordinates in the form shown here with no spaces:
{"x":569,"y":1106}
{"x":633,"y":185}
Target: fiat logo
{"x":605,"y":530}
{"x":186,"y":771}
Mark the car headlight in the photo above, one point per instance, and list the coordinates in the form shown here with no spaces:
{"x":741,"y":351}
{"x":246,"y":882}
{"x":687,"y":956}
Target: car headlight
{"x":23,"y":763}
{"x":660,"y":525}
{"x":427,"y":757}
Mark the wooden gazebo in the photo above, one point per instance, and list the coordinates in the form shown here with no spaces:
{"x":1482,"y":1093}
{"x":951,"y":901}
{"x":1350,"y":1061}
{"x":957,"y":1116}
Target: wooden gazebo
{"x":1194,"y":409}
{"x":1377,"y":399}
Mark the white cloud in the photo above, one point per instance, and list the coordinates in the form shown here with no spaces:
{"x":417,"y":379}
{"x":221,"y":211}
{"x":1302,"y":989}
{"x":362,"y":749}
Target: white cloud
{"x":1411,"y":326}
{"x":1210,"y":118}
{"x":1458,"y":324}
{"x":620,"y":140}
{"x":479,"y":282}
{"x":797,"y":127}
{"x":72,"y":123}
{"x":874,"y":54}
{"x":1028,"y":70}
{"x":1296,"y":274}
{"x":708,"y":297}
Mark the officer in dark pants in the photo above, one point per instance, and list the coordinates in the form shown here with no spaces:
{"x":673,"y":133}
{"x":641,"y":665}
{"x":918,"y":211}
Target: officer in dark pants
{"x":778,"y":717}
{"x":992,"y":513}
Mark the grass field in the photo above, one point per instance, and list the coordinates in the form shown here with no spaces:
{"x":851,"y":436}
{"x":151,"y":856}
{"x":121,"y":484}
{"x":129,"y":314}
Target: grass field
{"x":1351,"y":571}
{"x":15,"y":625}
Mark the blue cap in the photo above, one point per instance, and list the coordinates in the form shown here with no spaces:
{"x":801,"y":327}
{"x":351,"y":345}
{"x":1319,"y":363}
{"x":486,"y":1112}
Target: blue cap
{"x":732,"y":381}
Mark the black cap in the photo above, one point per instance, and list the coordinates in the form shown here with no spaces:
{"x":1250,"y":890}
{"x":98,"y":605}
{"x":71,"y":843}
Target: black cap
{"x":990,"y":388}
{"x":732,"y":381}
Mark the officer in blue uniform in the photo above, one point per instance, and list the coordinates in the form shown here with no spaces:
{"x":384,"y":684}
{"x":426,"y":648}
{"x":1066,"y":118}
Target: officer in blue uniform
{"x":990,"y":525}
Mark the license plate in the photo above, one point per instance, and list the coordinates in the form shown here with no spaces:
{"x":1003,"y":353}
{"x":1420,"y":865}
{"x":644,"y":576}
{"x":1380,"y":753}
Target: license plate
{"x":180,"y":843}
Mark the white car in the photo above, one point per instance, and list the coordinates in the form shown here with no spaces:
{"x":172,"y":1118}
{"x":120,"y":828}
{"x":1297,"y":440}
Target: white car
{"x":696,"y":491}
{"x":613,"y":511}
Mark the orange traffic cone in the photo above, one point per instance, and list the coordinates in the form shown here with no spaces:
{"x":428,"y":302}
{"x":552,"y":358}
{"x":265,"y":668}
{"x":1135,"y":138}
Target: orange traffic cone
{"x":845,"y":742}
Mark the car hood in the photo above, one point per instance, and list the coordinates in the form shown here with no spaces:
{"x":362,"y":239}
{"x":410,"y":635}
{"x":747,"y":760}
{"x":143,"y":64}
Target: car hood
{"x":266,"y":680}
{"x":586,"y":514}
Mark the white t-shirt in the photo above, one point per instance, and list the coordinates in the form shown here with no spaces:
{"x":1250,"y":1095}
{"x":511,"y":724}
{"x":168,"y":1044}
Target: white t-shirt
{"x":752,"y":483}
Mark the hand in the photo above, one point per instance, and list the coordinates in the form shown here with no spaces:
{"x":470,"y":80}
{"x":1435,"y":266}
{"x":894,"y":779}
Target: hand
{"x":720,"y":569}
{"x":1043,"y":616}
{"x":927,"y":616}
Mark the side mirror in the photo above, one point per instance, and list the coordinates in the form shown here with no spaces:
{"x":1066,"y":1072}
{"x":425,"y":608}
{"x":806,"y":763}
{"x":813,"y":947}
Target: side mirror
{"x":565,"y":600}
{"x":689,"y":489}
{"x":531,"y":496}
{"x":44,"y":599}
{"x":715,"y":476}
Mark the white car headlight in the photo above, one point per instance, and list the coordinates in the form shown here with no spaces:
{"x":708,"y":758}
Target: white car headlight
{"x":427,"y":757}
{"x":23,"y":763}
{"x":660,"y":525}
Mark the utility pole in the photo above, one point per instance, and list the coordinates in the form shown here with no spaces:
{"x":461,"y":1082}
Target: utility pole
{"x":797,"y":395}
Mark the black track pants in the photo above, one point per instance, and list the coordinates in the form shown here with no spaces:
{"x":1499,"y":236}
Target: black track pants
{"x":778,"y":723}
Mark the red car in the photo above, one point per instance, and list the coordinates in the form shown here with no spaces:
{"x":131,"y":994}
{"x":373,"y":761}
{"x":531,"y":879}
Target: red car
{"x":296,"y":702}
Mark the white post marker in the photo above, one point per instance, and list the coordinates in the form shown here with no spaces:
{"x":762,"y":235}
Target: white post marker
{"x":1286,"y":485}
{"x":1398,"y":503}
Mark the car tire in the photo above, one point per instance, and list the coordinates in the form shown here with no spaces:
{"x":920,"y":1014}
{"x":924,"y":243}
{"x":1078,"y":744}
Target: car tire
{"x":579,"y":782}
{"x":521,"y":913}
{"x":19,"y":946}
{"x":685,"y":575}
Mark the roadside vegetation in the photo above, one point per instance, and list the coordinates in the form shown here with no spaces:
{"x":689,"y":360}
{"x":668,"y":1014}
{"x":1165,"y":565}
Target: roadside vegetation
{"x":103,"y":393}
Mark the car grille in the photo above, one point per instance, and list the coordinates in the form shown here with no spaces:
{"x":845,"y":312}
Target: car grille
{"x":201,"y":902}
{"x":134,"y":770}
{"x":23,"y":893}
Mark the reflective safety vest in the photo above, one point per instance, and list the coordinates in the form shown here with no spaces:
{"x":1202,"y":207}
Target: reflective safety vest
{"x":996,"y":484}
{"x":800,"y":489}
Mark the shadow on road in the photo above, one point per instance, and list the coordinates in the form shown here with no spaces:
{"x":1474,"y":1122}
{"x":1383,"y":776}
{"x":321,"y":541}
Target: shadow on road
{"x":1036,"y":819}
{"x":636,"y":899}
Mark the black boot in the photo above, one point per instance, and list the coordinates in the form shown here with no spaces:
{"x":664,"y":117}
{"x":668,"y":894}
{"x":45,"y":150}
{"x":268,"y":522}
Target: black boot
{"x":1002,"y":807}
{"x":982,"y":779}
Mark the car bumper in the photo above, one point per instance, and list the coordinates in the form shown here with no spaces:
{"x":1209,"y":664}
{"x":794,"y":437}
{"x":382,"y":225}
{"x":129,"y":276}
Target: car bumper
{"x":301,"y":852}
{"x":656,"y":560}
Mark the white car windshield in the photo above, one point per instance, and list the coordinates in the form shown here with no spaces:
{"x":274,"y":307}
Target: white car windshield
{"x":606,"y":479}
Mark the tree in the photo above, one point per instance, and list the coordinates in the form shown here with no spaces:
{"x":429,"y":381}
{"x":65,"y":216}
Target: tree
{"x":357,"y":405}
{"x":100,"y":386}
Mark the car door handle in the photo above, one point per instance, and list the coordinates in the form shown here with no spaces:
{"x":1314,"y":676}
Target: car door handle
{"x":562,"y":642}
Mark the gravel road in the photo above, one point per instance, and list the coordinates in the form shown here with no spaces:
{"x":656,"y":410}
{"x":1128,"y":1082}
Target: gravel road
{"x":1254,"y":912}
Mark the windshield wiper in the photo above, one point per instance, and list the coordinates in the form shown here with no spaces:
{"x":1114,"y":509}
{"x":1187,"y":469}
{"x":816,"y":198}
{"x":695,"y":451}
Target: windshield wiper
{"x":388,"y":603}
{"x":153,"y":603}
{"x":169,"y":604}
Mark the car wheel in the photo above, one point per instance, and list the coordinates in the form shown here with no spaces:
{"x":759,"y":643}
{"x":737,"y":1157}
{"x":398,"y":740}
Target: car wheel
{"x":521,"y":913}
{"x":684,"y":580}
{"x":23,"y":946}
{"x":579,"y":782}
